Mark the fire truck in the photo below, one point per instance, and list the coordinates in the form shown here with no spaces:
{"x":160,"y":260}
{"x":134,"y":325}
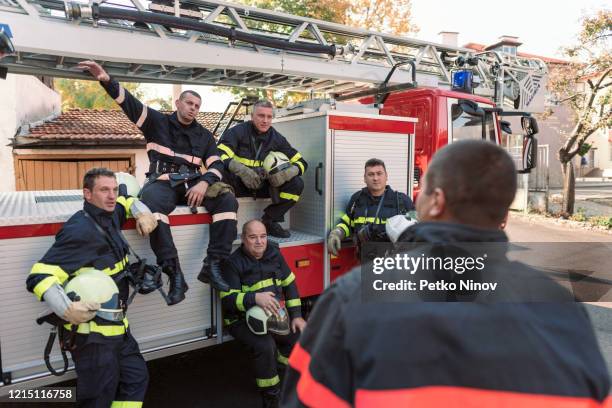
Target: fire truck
{"x":384,"y":96}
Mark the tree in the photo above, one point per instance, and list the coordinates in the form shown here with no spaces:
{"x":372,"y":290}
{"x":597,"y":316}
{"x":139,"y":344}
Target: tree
{"x":584,"y":84}
{"x":89,"y":94}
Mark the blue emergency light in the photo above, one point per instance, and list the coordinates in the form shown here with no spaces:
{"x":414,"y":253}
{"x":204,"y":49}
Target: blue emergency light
{"x":6,"y":29}
{"x":462,"y":81}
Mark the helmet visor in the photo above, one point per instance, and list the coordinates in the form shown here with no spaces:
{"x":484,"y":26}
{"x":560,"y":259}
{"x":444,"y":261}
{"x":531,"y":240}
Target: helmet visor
{"x":279,"y":325}
{"x":112,"y":315}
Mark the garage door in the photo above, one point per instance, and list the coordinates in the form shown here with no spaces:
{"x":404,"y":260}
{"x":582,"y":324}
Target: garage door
{"x":61,"y":174}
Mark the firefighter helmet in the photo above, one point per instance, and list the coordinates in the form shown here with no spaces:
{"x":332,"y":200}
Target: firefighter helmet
{"x":260,"y":323}
{"x":131,"y":184}
{"x":275,"y":162}
{"x":92,"y":285}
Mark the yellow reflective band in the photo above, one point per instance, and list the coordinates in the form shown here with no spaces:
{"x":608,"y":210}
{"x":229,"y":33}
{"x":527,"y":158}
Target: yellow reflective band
{"x":93,"y":327}
{"x":118,"y":267}
{"x":259,"y":285}
{"x":346,"y":219}
{"x":301,"y":166}
{"x":363,"y":220}
{"x":227,"y":322}
{"x":282,"y":359}
{"x":267,"y":382}
{"x":288,"y":196}
{"x":42,"y":286}
{"x":248,"y":162}
{"x":225,"y":157}
{"x":293,"y":302}
{"x":295,"y":157}
{"x":228,"y":151}
{"x":345,"y":229}
{"x":224,"y":294}
{"x":240,"y":301}
{"x":42,"y":268}
{"x":287,"y":281}
{"x":126,"y":404}
{"x":127,"y":204}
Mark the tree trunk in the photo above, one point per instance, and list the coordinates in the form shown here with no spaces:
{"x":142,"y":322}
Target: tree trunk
{"x":569,"y":188}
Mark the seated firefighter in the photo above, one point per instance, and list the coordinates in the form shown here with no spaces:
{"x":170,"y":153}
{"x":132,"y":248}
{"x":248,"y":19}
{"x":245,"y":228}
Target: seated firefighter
{"x":262,"y":307}
{"x":88,"y":252}
{"x":368,"y":209}
{"x":251,"y":147}
{"x":179,"y":148}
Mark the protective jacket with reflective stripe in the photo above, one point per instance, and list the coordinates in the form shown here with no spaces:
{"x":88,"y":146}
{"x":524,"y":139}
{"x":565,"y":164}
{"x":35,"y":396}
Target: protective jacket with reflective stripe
{"x":80,"y":245}
{"x":167,"y":139}
{"x":436,"y":354}
{"x":361,"y":209}
{"x":242,"y":142}
{"x":246,"y":276}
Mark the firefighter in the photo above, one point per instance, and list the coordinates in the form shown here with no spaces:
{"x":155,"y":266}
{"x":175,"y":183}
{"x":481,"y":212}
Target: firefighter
{"x":178,"y":147}
{"x":109,"y":366}
{"x":528,"y":352}
{"x":369,"y":208}
{"x":259,"y":278}
{"x":244,"y":149}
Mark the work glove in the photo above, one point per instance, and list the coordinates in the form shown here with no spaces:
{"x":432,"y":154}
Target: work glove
{"x":280,"y":178}
{"x":249,"y":177}
{"x":145,"y":223}
{"x":397,"y":225}
{"x":334,"y":241}
{"x":218,"y":189}
{"x":80,"y":312}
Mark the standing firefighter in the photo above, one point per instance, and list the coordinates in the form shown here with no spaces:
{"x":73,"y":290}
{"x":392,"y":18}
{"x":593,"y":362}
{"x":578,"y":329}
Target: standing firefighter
{"x":262,"y":308}
{"x":528,"y":345}
{"x":178,"y":147}
{"x":369,"y":208}
{"x":109,"y":366}
{"x":263,"y":164}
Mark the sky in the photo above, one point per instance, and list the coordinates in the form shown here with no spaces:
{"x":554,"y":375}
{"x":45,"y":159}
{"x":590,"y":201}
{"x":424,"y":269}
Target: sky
{"x":542,"y":25}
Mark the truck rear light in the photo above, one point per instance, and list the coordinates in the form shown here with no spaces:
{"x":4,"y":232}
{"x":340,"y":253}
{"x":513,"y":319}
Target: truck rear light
{"x":302,"y":263}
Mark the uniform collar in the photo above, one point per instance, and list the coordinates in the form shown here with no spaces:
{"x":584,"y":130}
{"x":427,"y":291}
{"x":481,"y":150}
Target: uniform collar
{"x":268,"y":253}
{"x":371,"y":197}
{"x":99,"y":215}
{"x":175,"y":121}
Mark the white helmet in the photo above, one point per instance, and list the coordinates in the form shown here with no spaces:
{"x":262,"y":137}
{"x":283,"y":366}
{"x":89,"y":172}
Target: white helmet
{"x":260,"y":323}
{"x":92,"y":285}
{"x":275,"y":162}
{"x":396,"y":225}
{"x":132,"y":185}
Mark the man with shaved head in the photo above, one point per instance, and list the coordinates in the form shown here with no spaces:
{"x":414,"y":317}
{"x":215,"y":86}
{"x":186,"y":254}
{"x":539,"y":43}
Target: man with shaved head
{"x":526,"y":344}
{"x":258,"y":275}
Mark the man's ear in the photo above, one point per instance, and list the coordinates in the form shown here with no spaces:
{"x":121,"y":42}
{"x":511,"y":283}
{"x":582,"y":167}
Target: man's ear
{"x":437,"y":207}
{"x":502,"y":225}
{"x":87,"y":194}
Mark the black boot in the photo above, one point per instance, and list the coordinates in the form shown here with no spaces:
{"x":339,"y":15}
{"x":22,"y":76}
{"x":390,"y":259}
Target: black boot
{"x":270,"y":397}
{"x":178,"y":286}
{"x":211,"y":274}
{"x":274,"y":228}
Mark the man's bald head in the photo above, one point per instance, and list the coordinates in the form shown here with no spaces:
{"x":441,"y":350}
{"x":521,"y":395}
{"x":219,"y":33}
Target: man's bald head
{"x":254,"y":238}
{"x":474,"y":180}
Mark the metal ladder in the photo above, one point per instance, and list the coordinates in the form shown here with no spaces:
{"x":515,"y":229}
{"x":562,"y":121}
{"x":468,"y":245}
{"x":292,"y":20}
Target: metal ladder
{"x":231,"y":115}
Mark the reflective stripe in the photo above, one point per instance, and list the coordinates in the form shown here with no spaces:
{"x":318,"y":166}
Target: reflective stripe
{"x":121,"y":96}
{"x":345,"y":229}
{"x":363,"y":220}
{"x":240,"y":301}
{"x":346,"y":219}
{"x":248,"y":162}
{"x":46,"y":269}
{"x":224,"y":157}
{"x":293,"y":302}
{"x":211,"y":160}
{"x":282,"y":359}
{"x":42,"y":286}
{"x":259,"y":285}
{"x":224,"y":294}
{"x":227,"y":322}
{"x":267,"y":382}
{"x":287,"y":281}
{"x":295,"y":157}
{"x":288,"y":196}
{"x":224,"y":216}
{"x":117,"y":267}
{"x":93,"y":327}
{"x":301,"y":166}
{"x":216,"y":173}
{"x":229,"y":153}
{"x":126,"y":404}
{"x":169,"y":152}
{"x":162,"y":217}
{"x":143,"y":116}
{"x":127,"y":204}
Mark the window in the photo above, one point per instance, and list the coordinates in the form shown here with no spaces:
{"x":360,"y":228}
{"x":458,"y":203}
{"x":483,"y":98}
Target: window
{"x":466,"y":126}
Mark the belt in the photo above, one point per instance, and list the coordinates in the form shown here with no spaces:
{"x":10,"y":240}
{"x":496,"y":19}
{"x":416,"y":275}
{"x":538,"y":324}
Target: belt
{"x":162,"y":167}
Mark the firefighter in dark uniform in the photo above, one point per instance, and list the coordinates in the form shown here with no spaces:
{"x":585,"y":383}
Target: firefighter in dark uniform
{"x":259,"y":276}
{"x":244,"y":148}
{"x":525,"y":346}
{"x":369,"y":208}
{"x":109,"y":366}
{"x":178,"y":147}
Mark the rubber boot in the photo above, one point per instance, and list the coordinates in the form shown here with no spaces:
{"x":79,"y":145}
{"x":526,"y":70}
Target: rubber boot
{"x":178,"y":286}
{"x":211,"y":274}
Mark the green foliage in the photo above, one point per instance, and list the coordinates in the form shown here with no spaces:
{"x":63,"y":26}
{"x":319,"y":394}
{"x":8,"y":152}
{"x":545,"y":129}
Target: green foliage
{"x":579,"y":215}
{"x":89,"y":94}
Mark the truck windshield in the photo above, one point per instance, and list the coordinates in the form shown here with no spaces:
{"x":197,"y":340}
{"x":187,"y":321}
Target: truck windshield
{"x":466,"y":126}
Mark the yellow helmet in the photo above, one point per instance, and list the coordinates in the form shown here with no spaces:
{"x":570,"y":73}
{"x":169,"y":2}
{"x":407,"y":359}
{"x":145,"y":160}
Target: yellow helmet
{"x":132,"y":185}
{"x":275,"y":162}
{"x":92,"y":285}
